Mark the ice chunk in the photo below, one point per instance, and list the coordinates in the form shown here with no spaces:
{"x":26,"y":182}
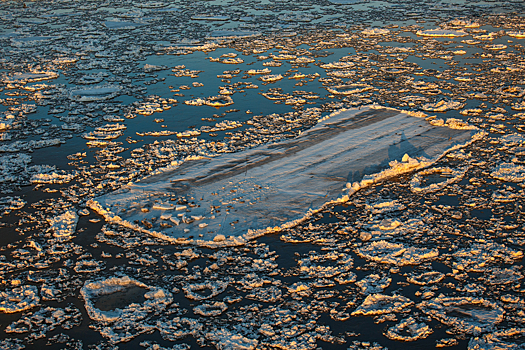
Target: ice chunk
{"x":23,"y":78}
{"x":156,"y":299}
{"x":262,"y":188}
{"x":441,"y":32}
{"x":465,"y":314}
{"x":408,"y":330}
{"x":212,"y":309}
{"x":18,"y":299}
{"x":396,"y":253}
{"x":379,"y":304}
{"x":64,"y":225}
{"x":98,"y":93}
{"x":510,"y":172}
{"x":227,"y":340}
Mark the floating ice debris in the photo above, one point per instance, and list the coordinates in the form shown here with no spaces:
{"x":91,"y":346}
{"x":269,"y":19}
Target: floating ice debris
{"x":349,"y":89}
{"x":179,"y":328}
{"x":52,"y":177}
{"x":97,"y":93}
{"x":379,"y":304}
{"x":18,"y":299}
{"x":408,"y":330}
{"x":396,"y":253}
{"x":511,"y":338}
{"x":24,"y":78}
{"x":464,"y":314}
{"x":375,"y":31}
{"x":426,"y":278}
{"x":64,"y":225}
{"x":373,"y":284}
{"x":156,"y":299}
{"x":509,"y":172}
{"x":273,"y":178}
{"x":45,"y":320}
{"x":445,"y":177}
{"x":232,"y":33}
{"x":442,"y":106}
{"x":208,"y":17}
{"x":121,"y":25}
{"x":226,"y":340}
{"x":214,"y":287}
{"x":271,"y":78}
{"x":479,"y":256}
{"x":213,"y":101}
{"x":516,"y":34}
{"x":441,"y":32}
{"x":8,"y":204}
{"x":212,"y":309}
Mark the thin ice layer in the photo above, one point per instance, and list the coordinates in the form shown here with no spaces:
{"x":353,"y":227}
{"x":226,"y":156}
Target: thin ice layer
{"x":236,"y":196}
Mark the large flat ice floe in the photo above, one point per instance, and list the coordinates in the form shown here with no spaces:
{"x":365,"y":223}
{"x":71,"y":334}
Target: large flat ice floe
{"x":233,"y":197}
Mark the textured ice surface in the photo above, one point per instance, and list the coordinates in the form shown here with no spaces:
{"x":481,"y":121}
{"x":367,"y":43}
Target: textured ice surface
{"x":272,"y":185}
{"x":465,"y":314}
{"x":19,"y":299}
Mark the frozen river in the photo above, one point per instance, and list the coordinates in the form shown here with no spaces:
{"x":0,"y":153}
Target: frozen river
{"x":262,"y":175}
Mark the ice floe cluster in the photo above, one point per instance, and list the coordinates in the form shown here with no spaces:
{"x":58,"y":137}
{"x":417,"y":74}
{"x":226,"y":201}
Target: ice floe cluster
{"x":262,"y":175}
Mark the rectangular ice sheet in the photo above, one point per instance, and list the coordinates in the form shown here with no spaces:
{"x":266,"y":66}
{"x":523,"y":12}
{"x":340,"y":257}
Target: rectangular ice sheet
{"x":271,"y":185}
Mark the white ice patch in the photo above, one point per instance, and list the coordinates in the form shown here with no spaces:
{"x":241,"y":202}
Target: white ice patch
{"x":97,"y":93}
{"x":23,"y":78}
{"x":64,"y":225}
{"x":157,"y":299}
{"x":226,"y":340}
{"x":397,"y":254}
{"x":408,"y":330}
{"x":441,"y":32}
{"x":379,"y":304}
{"x":447,"y":176}
{"x":18,"y":299}
{"x":509,"y":172}
{"x":465,"y":314}
{"x":247,"y":194}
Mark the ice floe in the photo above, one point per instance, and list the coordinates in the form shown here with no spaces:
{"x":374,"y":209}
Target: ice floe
{"x":251,"y":185}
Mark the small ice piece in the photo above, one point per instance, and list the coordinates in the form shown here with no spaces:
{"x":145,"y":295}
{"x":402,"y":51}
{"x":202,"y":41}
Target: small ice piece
{"x":23,"y":78}
{"x":214,"y":287}
{"x":271,"y":78}
{"x":174,"y":220}
{"x":396,"y":253}
{"x":442,"y":106}
{"x":209,"y":17}
{"x":510,"y":338}
{"x":408,"y":330}
{"x":211,"y":309}
{"x":373,"y":283}
{"x":379,"y":304}
{"x":441,"y":32}
{"x":446,"y":177}
{"x":7,"y":204}
{"x":509,"y":172}
{"x":64,"y":225}
{"x":519,"y":34}
{"x":180,"y":207}
{"x":163,"y":206}
{"x":226,"y":340}
{"x":375,"y":31}
{"x":156,"y":299}
{"x":18,"y":299}
{"x":97,"y":93}
{"x":465,"y":314}
{"x":426,"y":278}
